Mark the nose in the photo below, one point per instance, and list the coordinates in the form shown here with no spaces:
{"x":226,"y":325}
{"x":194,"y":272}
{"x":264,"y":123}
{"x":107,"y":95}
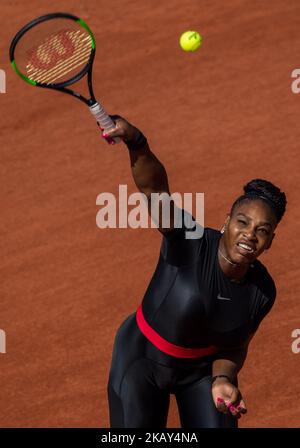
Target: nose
{"x":250,"y":234}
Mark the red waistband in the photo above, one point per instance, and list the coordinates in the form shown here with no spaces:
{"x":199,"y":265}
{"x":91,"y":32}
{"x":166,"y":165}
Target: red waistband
{"x":167,"y":347}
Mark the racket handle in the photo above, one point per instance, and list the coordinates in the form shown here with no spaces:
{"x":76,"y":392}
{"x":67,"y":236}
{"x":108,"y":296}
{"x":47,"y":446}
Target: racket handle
{"x":103,"y":119}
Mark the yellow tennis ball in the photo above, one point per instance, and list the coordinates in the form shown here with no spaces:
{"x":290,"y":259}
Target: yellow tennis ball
{"x":190,"y":41}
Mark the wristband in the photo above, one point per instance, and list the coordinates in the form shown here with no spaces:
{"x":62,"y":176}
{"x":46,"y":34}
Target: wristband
{"x":220,"y":376}
{"x":137,"y":143}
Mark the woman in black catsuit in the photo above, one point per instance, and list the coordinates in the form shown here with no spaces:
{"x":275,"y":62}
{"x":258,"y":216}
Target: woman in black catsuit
{"x":206,"y":299}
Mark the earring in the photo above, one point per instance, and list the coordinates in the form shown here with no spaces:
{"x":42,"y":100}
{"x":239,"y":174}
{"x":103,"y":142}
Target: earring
{"x":222,"y":230}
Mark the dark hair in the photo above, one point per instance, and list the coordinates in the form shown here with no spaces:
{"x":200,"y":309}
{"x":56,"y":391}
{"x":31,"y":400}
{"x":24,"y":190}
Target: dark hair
{"x":265,"y":190}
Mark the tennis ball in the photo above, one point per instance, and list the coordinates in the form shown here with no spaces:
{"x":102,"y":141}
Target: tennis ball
{"x":190,"y":41}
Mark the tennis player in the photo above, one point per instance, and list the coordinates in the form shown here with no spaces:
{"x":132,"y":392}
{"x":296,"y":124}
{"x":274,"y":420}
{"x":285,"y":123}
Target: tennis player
{"x":205,"y":301}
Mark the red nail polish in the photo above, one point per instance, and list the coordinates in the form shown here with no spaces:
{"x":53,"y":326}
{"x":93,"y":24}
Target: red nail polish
{"x":232,"y":408}
{"x":220,"y":400}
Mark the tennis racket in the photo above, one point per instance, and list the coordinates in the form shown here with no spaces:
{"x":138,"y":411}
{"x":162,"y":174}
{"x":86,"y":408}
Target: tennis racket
{"x":55,"y":51}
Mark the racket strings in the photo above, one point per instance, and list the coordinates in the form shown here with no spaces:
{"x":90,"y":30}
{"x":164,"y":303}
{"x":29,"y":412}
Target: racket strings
{"x":61,"y":69}
{"x":58,"y":55}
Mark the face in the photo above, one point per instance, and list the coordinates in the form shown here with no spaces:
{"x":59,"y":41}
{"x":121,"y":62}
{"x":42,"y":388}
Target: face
{"x":249,"y":231}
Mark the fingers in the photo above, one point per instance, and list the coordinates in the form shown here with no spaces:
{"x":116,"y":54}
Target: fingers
{"x":233,"y":409}
{"x":236,"y":404}
{"x":242,"y":407}
{"x":107,"y":137}
{"x":236,"y":409}
{"x":122,"y":130}
{"x":221,"y":405}
{"x":229,"y":400}
{"x":109,"y":140}
{"x":228,"y":407}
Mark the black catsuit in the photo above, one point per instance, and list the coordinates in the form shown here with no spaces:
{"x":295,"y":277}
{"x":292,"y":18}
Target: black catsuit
{"x":191,"y":303}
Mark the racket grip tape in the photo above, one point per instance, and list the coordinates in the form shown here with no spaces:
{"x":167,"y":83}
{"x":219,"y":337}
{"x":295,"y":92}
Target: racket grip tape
{"x":103,"y":119}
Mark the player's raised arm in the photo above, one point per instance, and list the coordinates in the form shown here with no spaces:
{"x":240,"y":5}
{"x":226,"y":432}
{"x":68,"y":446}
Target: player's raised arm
{"x":148,"y":172}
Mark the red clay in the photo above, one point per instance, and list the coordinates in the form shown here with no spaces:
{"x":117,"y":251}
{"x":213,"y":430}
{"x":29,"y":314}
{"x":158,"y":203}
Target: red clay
{"x":216,"y":118}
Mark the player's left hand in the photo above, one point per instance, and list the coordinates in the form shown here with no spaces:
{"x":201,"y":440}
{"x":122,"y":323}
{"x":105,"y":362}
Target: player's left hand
{"x":227,"y":398}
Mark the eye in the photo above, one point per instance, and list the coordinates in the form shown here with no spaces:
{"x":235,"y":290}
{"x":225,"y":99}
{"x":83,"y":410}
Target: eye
{"x":243,"y":222}
{"x":265,"y":231}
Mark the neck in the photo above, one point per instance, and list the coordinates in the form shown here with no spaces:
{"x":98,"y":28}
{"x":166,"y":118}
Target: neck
{"x":235,"y":271}
{"x":227,"y":259}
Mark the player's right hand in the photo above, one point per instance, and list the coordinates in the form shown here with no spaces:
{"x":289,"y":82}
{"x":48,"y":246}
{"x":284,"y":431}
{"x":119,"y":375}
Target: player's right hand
{"x":123,"y":129}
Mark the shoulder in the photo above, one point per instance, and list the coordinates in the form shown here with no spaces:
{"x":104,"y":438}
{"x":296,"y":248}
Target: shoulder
{"x":192,"y":236}
{"x":211,"y":238}
{"x":264,"y":281}
{"x":183,"y":246}
{"x":212,"y":234}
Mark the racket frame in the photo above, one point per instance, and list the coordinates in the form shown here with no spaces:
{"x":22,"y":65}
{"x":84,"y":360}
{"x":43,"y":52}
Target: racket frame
{"x":103,"y":119}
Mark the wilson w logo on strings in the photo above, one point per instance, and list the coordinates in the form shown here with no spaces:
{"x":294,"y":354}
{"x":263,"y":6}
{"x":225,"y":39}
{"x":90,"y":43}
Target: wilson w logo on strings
{"x":58,"y":55}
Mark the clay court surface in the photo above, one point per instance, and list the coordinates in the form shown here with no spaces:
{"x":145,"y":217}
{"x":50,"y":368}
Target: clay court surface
{"x":216,"y":118}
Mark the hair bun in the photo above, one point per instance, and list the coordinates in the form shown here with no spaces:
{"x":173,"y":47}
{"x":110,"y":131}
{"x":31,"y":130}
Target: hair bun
{"x":269,"y":191}
{"x":257,"y":186}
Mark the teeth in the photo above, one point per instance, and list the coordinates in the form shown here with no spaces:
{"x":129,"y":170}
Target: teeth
{"x":244,"y":246}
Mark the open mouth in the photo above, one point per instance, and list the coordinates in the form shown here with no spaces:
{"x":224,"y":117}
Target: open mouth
{"x":245,"y":249}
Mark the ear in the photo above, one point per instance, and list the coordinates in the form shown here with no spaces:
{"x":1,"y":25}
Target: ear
{"x":227,"y":220}
{"x":225,"y":223}
{"x":271,"y":241}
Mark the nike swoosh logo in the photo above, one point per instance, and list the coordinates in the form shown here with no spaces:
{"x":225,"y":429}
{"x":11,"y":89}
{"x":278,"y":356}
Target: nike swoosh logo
{"x":222,"y":298}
